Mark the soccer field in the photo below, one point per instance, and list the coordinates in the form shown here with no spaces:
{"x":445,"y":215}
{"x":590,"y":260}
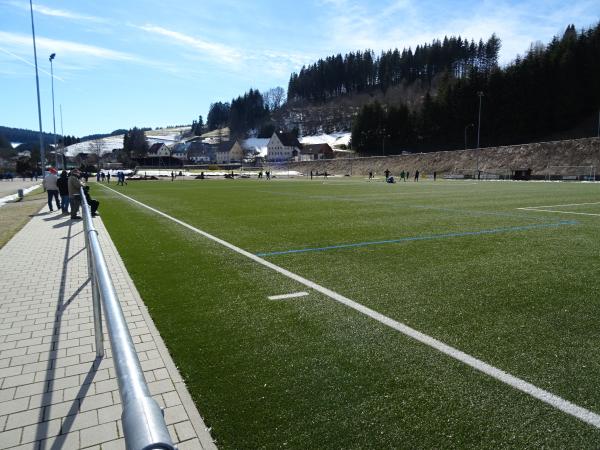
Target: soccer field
{"x":438,"y":314}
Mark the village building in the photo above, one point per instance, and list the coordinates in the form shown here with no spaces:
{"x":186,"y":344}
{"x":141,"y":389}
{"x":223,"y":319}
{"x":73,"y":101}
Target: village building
{"x":312,"y":152}
{"x":230,"y":151}
{"x":200,"y":153}
{"x":283,"y":147}
{"x":159,"y":149}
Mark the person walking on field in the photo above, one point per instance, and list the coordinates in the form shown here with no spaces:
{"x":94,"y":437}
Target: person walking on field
{"x":49,"y":184}
{"x":387,"y":174}
{"x":63,"y":190}
{"x":417,"y":175}
{"x":108,"y":178}
{"x":75,"y":193}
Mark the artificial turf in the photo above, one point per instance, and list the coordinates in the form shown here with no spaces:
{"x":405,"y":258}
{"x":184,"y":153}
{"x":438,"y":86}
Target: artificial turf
{"x":517,"y":289}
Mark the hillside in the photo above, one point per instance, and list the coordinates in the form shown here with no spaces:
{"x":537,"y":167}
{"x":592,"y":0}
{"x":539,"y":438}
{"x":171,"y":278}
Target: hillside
{"x":537,"y":157}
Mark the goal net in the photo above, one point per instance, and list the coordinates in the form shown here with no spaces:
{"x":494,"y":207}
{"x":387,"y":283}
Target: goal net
{"x":571,"y":173}
{"x":484,"y":173}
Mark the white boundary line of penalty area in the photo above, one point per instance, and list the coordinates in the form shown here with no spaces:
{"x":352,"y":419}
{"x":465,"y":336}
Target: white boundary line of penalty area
{"x":498,"y":374}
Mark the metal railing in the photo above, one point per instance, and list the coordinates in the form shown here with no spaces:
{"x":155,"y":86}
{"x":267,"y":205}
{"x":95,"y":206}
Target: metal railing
{"x":144,"y":426}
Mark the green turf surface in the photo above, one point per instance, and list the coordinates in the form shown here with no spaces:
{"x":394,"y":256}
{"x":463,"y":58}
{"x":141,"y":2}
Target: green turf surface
{"x":522,"y":295}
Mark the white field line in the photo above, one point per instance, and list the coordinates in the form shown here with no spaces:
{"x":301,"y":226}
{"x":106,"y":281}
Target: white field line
{"x":286,"y":296}
{"x":13,"y":197}
{"x":547,"y":397}
{"x":566,"y":204}
{"x":559,"y":212}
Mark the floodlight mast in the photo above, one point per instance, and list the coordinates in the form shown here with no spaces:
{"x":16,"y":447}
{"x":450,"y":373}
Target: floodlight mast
{"x":52,"y":56}
{"x":37,"y":84}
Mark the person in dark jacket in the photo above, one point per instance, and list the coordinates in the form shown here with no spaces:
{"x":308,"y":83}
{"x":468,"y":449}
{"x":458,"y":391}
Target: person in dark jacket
{"x":90,"y":201}
{"x":63,"y":190}
{"x":74,"y":195}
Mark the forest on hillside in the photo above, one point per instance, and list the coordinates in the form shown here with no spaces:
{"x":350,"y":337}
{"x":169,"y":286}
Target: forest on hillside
{"x":361,"y":71}
{"x":552,"y":88}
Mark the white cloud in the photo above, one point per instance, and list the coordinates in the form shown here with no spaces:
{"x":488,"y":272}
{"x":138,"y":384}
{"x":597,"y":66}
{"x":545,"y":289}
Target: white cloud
{"x":66,"y":48}
{"x":402,"y":23}
{"x":26,"y":62}
{"x":211,"y":49}
{"x":44,"y":10}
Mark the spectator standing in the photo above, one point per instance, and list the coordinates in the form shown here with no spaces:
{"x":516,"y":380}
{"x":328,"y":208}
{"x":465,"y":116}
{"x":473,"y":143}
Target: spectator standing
{"x":387,"y":174}
{"x":51,"y":188}
{"x":75,"y":193}
{"x":108,"y":178}
{"x":417,"y":175}
{"x":63,"y":190}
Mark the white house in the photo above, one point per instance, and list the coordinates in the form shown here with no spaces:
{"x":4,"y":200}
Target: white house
{"x":283,"y":147}
{"x":159,"y":149}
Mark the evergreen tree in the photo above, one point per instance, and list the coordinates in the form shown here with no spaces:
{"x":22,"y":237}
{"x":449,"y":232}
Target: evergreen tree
{"x":135,"y":143}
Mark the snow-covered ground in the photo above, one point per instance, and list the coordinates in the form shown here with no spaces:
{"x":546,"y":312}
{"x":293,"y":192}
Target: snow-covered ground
{"x":334,"y":139}
{"x":257,"y":144}
{"x":108,"y":144}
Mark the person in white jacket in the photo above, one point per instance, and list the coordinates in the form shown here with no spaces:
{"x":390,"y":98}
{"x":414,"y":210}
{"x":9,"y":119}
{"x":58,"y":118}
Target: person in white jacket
{"x":52,"y":188}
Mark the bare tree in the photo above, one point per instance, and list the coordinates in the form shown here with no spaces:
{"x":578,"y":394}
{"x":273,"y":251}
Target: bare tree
{"x":274,"y":98}
{"x":96,"y":148}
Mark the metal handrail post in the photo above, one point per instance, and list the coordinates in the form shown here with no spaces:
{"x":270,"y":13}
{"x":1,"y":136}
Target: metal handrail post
{"x":88,"y":228}
{"x":144,"y":426}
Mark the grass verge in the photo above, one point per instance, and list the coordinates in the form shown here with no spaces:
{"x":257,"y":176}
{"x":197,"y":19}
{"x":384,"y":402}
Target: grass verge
{"x":14,"y":216}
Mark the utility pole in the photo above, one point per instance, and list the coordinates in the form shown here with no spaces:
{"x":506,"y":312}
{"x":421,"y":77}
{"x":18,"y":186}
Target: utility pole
{"x":39,"y":105}
{"x":53,"y":117}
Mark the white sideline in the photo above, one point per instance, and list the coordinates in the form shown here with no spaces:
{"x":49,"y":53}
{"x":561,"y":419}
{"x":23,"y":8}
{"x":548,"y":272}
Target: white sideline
{"x":547,"y":397}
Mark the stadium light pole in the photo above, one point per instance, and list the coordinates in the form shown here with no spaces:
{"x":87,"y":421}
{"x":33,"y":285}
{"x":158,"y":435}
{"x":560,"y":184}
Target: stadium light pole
{"x":51,"y":58}
{"x":480,"y":95}
{"x":62,"y":133}
{"x":39,"y":105}
{"x":471,"y":125}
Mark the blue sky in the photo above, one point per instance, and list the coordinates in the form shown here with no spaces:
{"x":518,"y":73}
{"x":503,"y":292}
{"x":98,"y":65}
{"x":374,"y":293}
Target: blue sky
{"x":153,"y":63}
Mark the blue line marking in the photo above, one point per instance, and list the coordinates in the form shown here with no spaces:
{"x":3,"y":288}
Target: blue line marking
{"x":425,"y":238}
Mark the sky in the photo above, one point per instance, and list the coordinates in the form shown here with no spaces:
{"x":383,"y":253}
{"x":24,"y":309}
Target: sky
{"x":155,"y":63}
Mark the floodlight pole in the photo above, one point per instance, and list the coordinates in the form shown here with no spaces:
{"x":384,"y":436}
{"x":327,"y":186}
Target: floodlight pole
{"x":37,"y":84}
{"x":62,"y":133}
{"x":53,"y":117}
{"x":480,"y":95}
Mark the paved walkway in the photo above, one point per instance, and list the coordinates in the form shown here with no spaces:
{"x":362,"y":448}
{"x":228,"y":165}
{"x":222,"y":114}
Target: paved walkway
{"x":53,"y":393}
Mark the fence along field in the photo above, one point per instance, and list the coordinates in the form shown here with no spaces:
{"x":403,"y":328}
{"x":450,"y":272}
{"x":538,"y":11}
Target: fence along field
{"x":455,"y":261}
